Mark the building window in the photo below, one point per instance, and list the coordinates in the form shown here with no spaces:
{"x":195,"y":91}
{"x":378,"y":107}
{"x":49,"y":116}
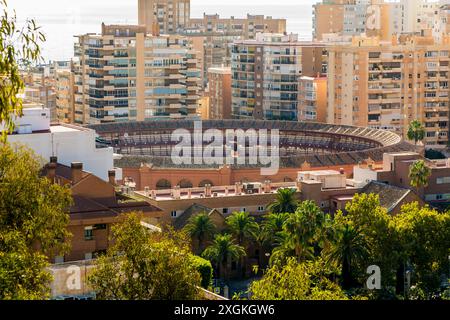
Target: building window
{"x":261,"y":208}
{"x":443,"y":180}
{"x":225,"y":211}
{"x":88,"y":234}
{"x":244,"y":209}
{"x":100,"y":227}
{"x":173,"y":214}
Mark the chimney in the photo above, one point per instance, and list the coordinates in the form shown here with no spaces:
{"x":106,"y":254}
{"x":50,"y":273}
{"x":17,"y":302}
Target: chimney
{"x":77,"y":172}
{"x":112,"y":177}
{"x":51,"y":171}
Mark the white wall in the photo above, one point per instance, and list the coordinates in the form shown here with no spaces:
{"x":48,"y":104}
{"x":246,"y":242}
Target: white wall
{"x":69,"y":146}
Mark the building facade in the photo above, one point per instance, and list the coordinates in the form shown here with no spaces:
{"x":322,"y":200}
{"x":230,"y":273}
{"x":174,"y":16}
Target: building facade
{"x":164,"y":16}
{"x":126,"y":74}
{"x":219,"y":92}
{"x":312,"y":102}
{"x":266,"y":72}
{"x":246,"y":27}
{"x":351,"y":18}
{"x":65,"y":109}
{"x":386,"y":85}
{"x":69,"y":143}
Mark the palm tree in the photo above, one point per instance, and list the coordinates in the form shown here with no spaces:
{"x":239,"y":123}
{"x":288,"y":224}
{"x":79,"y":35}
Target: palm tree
{"x":419,"y":173}
{"x":244,"y":228}
{"x":222,"y":250}
{"x":201,"y":228}
{"x":416,"y":131}
{"x":348,"y":251}
{"x":285,"y":202}
{"x":302,"y":231}
{"x":273,"y":225}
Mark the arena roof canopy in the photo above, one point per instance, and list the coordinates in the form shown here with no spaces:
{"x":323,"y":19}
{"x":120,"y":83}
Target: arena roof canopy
{"x":318,"y":144}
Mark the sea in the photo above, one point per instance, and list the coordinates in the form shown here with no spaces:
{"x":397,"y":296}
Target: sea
{"x":61,"y":26}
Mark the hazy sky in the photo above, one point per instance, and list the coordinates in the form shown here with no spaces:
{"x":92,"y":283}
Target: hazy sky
{"x":62,"y":19}
{"x":34,"y":7}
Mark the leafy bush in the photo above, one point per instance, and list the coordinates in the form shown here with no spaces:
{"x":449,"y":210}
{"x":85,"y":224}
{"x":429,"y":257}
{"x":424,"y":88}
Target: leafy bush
{"x":205,"y":269}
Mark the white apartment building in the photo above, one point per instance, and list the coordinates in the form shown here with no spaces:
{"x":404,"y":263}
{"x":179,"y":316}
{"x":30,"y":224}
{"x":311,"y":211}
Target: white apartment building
{"x":68,"y":143}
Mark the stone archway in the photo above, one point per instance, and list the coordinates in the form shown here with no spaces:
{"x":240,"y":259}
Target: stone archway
{"x":163,"y":184}
{"x":185,"y":184}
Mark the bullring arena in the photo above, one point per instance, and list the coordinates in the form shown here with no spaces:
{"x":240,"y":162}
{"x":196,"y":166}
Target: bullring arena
{"x":146,"y":148}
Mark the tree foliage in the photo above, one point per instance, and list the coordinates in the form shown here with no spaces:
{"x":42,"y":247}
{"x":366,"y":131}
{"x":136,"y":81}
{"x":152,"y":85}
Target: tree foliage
{"x":419,"y":173}
{"x":297,"y":281}
{"x":285,"y":202}
{"x":303,"y":233}
{"x":242,"y":226}
{"x":145,"y":266}
{"x":201,"y":228}
{"x":416,"y":131}
{"x":19,"y":47}
{"x":33,"y":225}
{"x":222,"y":251}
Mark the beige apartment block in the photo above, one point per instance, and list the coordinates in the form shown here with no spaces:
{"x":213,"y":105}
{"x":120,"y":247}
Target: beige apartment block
{"x":351,"y":18}
{"x":246,"y":27}
{"x":312,"y":99}
{"x":266,"y":72}
{"x":386,"y":85}
{"x":218,"y":34}
{"x":219,"y":92}
{"x":126,"y":74}
{"x":65,"y":110}
{"x":164,"y":16}
{"x":204,"y":110}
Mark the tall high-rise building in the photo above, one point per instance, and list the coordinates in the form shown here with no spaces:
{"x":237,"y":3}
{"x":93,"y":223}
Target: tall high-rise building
{"x":312,"y":100}
{"x":217,"y":35}
{"x":219,"y":92}
{"x":386,"y":85}
{"x":65,"y":111}
{"x":246,"y":27}
{"x":126,"y":74}
{"x":412,"y":16}
{"x":351,"y":18}
{"x":266,"y":72}
{"x":164,"y":16}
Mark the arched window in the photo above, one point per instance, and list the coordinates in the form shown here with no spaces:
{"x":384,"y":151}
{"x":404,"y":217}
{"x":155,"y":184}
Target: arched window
{"x":204,"y":183}
{"x":184,"y":184}
{"x":163,"y":184}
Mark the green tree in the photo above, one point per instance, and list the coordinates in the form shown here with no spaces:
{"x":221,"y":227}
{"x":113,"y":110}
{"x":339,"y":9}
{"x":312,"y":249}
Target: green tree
{"x":19,"y":47}
{"x":142,"y":265}
{"x":205,"y":269}
{"x":297,"y":281}
{"x":285,"y":202}
{"x":201,"y":228}
{"x":365,"y":214}
{"x":419,"y":173}
{"x":416,"y":131}
{"x":302,"y":233}
{"x":222,"y":251}
{"x":244,"y":229}
{"x":22,"y":271}
{"x":242,"y":226}
{"x":425,"y":237}
{"x":33,"y":225}
{"x":348,"y":251}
